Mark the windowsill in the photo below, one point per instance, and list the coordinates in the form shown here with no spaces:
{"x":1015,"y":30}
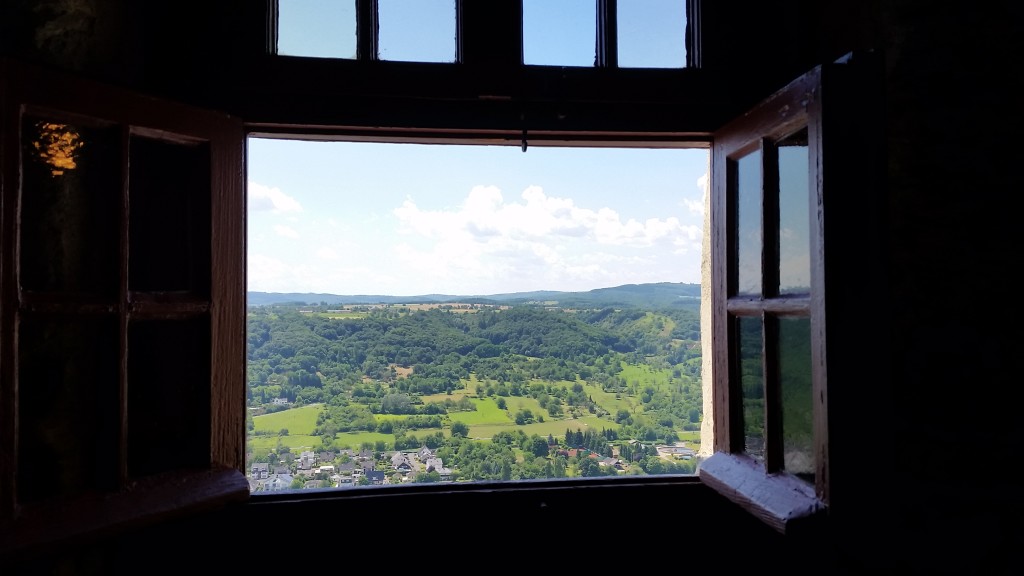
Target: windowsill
{"x":782,"y":501}
{"x":146,"y":502}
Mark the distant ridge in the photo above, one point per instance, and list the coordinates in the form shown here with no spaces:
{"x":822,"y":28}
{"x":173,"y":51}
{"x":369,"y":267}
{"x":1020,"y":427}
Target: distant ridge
{"x":657,"y":294}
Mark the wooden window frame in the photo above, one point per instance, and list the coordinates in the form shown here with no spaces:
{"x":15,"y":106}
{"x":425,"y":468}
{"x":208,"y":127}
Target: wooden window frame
{"x":605,"y":51}
{"x":142,"y":497}
{"x":838,"y":105}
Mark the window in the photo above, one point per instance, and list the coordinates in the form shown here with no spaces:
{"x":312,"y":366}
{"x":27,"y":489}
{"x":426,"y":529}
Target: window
{"x":769,"y":280}
{"x":461,"y":242}
{"x":651,"y":34}
{"x":122,"y":351}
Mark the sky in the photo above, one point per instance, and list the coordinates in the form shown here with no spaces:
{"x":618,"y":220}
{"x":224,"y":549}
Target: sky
{"x":412,"y":219}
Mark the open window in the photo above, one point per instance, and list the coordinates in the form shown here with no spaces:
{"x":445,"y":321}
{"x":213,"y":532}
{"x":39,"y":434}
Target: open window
{"x":769,"y":277}
{"x":122,"y":324}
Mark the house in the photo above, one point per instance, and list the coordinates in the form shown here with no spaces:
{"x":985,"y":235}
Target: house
{"x":400,"y":461}
{"x":260,"y":470}
{"x":435,"y":464}
{"x":140,"y":275}
{"x":307,"y":460}
{"x":376,"y":478}
{"x":424,"y":453}
{"x":278,"y":482}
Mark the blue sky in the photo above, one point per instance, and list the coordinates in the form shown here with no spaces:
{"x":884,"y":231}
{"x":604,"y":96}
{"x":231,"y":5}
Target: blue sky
{"x":408,"y":219}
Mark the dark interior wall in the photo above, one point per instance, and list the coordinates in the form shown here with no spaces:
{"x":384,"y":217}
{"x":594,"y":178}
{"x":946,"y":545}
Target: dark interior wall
{"x":953,"y":114}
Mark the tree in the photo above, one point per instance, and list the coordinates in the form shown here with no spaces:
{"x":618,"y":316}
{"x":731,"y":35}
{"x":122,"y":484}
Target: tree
{"x":460,"y":429}
{"x":539,"y":446}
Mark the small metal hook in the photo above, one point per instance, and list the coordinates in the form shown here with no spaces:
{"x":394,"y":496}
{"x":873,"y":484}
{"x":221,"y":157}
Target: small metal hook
{"x":524,"y":139}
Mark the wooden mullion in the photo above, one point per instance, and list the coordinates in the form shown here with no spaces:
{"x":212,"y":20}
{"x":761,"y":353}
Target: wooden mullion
{"x":607,"y":48}
{"x":10,"y":131}
{"x":693,"y":36}
{"x":769,"y":219}
{"x":773,"y":451}
{"x":123,"y":309}
{"x":367,"y":28}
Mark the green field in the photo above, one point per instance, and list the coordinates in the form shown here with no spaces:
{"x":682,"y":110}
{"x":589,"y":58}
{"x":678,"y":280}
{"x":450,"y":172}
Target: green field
{"x":297,"y":443}
{"x":554,"y":428}
{"x":487,"y":412}
{"x":297,"y":421}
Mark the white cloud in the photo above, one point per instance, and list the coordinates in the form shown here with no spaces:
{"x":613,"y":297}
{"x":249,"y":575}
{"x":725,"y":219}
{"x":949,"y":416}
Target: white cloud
{"x":264,"y":198}
{"x":287,"y":232}
{"x":327,"y":253}
{"x":541,"y":239}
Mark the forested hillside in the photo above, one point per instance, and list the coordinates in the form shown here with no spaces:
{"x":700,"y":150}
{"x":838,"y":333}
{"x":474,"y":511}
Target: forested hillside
{"x":627,"y":373}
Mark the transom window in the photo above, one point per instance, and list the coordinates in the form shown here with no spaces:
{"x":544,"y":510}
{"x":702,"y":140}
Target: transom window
{"x":585,"y":33}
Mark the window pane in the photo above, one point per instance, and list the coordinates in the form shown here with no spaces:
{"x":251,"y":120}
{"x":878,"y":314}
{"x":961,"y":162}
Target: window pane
{"x":417,"y":30}
{"x":562,"y":33}
{"x":319,"y":28}
{"x":169,"y":216}
{"x":71,"y":192}
{"x":751,"y":379}
{"x":67,"y":406}
{"x":794,"y":238}
{"x":797,"y":406}
{"x":652,"y":34}
{"x":748,"y":212}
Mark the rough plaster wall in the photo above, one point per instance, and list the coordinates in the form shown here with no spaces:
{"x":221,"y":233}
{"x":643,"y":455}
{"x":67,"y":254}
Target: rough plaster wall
{"x":707,"y":438}
{"x":86,"y":36}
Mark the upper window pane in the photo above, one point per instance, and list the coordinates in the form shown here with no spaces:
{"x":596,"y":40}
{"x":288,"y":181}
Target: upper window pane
{"x":652,"y":34}
{"x":417,"y":30}
{"x":748,"y":213}
{"x":562,"y":33}
{"x":794,"y":216}
{"x":318,"y":28}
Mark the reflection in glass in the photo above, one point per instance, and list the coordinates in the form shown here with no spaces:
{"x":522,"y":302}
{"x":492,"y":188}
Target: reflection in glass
{"x":546,"y":29}
{"x":317,"y":28}
{"x":652,"y":34}
{"x":416,"y":30}
{"x":71,"y":190}
{"x":748,"y":213}
{"x":797,"y":398}
{"x":794,"y":208}
{"x":751,"y":378}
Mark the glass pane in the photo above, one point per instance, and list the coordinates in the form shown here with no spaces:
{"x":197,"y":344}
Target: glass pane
{"x":416,"y":30}
{"x":797,"y":405}
{"x":169,"y":221}
{"x":168,"y":395}
{"x":71,"y":193}
{"x":562,"y":33}
{"x":751,"y":379}
{"x":794,"y":216}
{"x":318,"y":28}
{"x":68,"y":407}
{"x":652,"y":34}
{"x":748,"y":213}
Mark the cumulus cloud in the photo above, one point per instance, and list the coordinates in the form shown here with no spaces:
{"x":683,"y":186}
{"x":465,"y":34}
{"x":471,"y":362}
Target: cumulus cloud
{"x":536,"y":238}
{"x":282,"y":230}
{"x":264,"y":198}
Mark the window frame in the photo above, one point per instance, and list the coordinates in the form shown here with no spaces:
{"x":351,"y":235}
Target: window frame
{"x":606,"y":39}
{"x":210,"y":479}
{"x":839,"y":104}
